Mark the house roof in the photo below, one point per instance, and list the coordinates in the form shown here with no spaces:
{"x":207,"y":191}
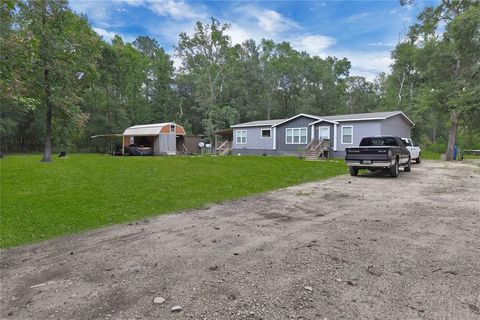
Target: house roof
{"x":153,"y":129}
{"x":368,"y":116}
{"x":324,"y":120}
{"x":297,"y":116}
{"x":332,"y":119}
{"x":259,"y":123}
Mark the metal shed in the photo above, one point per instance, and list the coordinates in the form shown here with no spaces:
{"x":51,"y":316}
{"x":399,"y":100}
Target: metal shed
{"x":154,"y":139}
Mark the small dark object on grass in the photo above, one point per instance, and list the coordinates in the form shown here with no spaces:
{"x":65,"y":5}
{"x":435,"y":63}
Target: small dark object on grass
{"x":62,"y":154}
{"x":352,"y":283}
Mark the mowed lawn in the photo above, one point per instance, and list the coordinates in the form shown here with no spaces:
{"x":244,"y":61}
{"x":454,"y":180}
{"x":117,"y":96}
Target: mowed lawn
{"x":84,"y":191}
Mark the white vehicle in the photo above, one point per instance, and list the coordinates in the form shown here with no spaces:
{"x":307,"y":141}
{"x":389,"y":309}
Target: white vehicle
{"x":414,"y":149}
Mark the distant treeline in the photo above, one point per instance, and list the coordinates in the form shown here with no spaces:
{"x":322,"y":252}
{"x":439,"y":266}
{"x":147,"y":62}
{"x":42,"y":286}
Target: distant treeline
{"x":61,"y":83}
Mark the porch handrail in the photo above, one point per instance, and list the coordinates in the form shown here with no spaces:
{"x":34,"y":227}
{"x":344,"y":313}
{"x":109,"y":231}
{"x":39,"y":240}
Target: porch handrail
{"x":309,"y":144}
{"x":222,"y":146}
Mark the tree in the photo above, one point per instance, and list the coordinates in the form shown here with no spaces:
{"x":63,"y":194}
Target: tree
{"x":64,"y":55}
{"x":206,"y":62}
{"x":446,"y":65}
{"x":361,"y":95}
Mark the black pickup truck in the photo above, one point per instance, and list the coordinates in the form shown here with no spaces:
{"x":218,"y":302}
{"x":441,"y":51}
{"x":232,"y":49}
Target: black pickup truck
{"x":381,"y":152}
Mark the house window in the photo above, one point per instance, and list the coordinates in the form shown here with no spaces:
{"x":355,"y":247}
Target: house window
{"x":266,"y":133}
{"x":172,"y":128}
{"x":347,"y":135}
{"x":241,"y":136}
{"x":324,"y":133}
{"x":296,"y":136}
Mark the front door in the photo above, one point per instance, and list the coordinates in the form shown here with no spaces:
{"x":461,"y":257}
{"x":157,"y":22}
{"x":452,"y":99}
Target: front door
{"x":324,"y":133}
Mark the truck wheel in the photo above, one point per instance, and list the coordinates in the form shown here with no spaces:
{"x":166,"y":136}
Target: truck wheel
{"x":418,"y":160}
{"x":408,"y":167}
{"x":393,"y":170}
{"x":353,"y":171}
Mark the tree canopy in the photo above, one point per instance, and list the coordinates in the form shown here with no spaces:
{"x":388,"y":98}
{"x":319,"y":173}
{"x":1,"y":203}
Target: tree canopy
{"x":61,"y":83}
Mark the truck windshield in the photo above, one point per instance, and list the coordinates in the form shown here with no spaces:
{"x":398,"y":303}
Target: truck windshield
{"x":378,"y":141}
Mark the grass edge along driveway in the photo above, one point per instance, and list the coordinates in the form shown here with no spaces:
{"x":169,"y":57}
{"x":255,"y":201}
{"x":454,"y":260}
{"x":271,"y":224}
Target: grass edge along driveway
{"x":85,"y":191}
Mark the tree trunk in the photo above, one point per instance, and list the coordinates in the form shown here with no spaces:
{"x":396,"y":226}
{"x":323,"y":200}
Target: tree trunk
{"x":452,"y":134}
{"x":400,"y":91}
{"x":47,"y":152}
{"x":434,"y":132}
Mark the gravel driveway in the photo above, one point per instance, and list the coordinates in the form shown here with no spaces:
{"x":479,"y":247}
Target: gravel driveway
{"x":344,"y":248}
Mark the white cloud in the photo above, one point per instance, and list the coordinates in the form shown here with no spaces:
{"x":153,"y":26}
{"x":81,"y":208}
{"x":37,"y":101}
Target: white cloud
{"x":94,"y":10}
{"x":134,"y":3}
{"x":175,"y":9}
{"x":106,"y":35}
{"x":274,"y":22}
{"x":239,"y":34}
{"x":366,"y":64}
{"x":313,"y":44}
{"x":381,"y":44}
{"x":360,"y":16}
{"x":262,"y":20}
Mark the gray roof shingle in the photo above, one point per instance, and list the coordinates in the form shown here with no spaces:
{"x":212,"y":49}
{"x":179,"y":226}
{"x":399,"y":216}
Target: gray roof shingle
{"x":361,"y":115}
{"x":258,"y":123}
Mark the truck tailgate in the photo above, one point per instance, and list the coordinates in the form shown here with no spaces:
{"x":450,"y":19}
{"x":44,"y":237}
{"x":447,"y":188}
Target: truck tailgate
{"x":367,"y":153}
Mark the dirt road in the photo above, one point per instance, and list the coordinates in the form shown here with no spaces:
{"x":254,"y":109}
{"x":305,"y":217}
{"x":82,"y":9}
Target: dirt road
{"x":344,"y":248}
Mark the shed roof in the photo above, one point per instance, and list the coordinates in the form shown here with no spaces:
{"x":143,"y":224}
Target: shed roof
{"x":153,"y":129}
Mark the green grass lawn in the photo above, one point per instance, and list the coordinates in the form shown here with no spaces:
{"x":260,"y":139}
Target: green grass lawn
{"x":428,"y":155}
{"x":41,"y":201}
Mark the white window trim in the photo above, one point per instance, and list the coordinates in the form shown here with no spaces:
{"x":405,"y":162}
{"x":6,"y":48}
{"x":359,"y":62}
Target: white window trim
{"x":341,"y":134}
{"x":236,"y":137}
{"x":261,"y":133}
{"x":328,"y":127}
{"x":335,"y":137}
{"x":299,"y":137}
{"x":274,"y":138}
{"x":174,"y":127}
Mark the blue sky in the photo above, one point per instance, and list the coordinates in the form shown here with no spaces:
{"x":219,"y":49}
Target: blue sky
{"x":363,"y":31}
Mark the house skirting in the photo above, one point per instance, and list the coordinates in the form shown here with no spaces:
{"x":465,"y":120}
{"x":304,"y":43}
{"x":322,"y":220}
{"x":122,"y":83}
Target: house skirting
{"x":270,"y":152}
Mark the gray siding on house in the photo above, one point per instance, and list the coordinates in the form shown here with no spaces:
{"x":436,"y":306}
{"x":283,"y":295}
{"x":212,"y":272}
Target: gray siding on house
{"x":254,"y":139}
{"x":256,"y":145}
{"x":299,"y":122}
{"x":397,"y":126}
{"x":360,"y":129}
